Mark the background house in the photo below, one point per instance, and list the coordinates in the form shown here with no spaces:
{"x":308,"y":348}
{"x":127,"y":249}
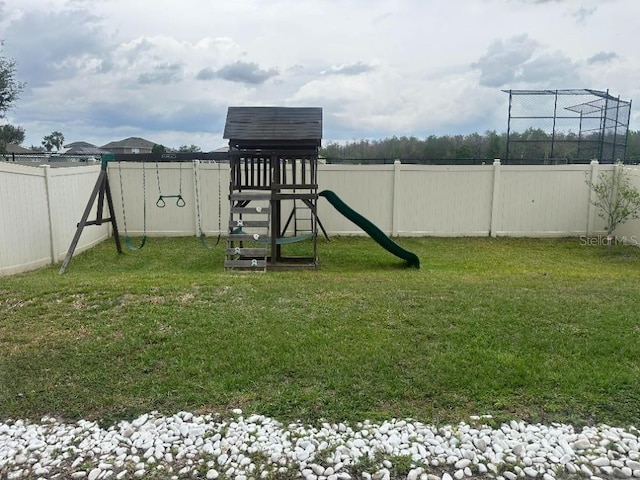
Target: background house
{"x":13,"y":148}
{"x":83,"y":148}
{"x":130,"y":145}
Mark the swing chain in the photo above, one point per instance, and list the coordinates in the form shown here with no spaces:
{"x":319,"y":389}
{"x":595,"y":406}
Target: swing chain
{"x":127,"y":240}
{"x":180,"y":202}
{"x":144,"y":200}
{"x":197,"y":194}
{"x":196,"y":170}
{"x":124,"y":214}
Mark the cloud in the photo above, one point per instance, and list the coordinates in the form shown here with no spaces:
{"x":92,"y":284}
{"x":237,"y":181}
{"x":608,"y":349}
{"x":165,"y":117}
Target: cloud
{"x":583,"y":13}
{"x":239,"y":72}
{"x":162,"y":75}
{"x":206,"y":74}
{"x":553,"y":68}
{"x":191,"y":115}
{"x":602,"y":57}
{"x":502,"y":62}
{"x":55,"y":45}
{"x":348,"y":69}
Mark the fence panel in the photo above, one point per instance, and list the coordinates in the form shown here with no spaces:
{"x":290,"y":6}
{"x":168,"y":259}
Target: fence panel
{"x":39,"y":210}
{"x":543,"y":200}
{"x":24,"y":226}
{"x":444,"y":200}
{"x":367,"y":190}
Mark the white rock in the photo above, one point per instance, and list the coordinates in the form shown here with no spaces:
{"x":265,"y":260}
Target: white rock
{"x":94,"y":474}
{"x":582,"y":444}
{"x":509,"y":475}
{"x":141,"y":420}
{"x":480,"y":444}
{"x":586,"y":470}
{"x":212,"y":474}
{"x":624,"y":472}
{"x":414,"y":473}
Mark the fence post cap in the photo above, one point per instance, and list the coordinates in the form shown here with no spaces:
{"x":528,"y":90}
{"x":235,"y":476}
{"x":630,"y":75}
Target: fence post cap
{"x":496,"y":161}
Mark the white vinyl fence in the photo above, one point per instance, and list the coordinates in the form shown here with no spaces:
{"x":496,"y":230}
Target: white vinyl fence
{"x":39,"y":210}
{"x":41,"y":206}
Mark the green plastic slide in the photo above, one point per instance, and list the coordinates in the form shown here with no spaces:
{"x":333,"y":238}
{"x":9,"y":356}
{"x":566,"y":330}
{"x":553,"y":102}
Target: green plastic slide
{"x":374,"y":232}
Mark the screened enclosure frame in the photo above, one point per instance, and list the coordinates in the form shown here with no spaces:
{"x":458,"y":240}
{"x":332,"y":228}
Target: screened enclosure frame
{"x":566,"y":126}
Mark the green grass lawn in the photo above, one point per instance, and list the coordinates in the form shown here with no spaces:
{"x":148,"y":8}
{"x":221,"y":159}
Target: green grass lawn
{"x":541,"y":330}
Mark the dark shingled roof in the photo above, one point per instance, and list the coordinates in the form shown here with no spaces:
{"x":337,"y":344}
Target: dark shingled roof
{"x":274,"y":123}
{"x":83,"y":148}
{"x":131,"y":142}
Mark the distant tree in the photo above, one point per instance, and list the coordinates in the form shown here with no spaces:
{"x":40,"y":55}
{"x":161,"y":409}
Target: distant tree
{"x":189,"y":149}
{"x":10,"y":134}
{"x":10,"y":88}
{"x":37,"y":148}
{"x":158,"y":148}
{"x":54,"y":139}
{"x":493,"y":148}
{"x":633,"y":145}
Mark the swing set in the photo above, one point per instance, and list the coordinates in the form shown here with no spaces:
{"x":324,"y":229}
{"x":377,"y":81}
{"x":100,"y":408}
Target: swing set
{"x":102,"y":191}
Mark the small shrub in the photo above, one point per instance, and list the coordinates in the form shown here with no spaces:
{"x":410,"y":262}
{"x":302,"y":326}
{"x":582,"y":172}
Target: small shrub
{"x":615,"y":197}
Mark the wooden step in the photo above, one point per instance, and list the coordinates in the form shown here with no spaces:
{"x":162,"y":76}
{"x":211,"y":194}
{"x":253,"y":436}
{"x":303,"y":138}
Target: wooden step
{"x":246,"y":264}
{"x":250,"y":196}
{"x":247,"y":237}
{"x":248,"y":223}
{"x":253,"y":210}
{"x":247,"y":252}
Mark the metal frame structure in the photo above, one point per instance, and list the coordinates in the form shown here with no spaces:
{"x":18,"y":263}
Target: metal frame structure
{"x":566,"y":126}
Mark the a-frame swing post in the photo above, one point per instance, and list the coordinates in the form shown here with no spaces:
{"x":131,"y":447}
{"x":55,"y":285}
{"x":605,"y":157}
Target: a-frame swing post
{"x":99,"y":190}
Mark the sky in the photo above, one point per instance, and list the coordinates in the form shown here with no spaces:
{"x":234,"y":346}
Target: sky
{"x":104,"y":70}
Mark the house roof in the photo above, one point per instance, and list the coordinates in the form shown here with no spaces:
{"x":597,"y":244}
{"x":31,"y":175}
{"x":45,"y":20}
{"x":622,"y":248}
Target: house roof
{"x":273,"y":123}
{"x":13,"y":148}
{"x":131,"y":142}
{"x":83,"y":148}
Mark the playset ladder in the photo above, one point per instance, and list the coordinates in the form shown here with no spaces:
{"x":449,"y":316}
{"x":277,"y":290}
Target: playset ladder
{"x":248,"y":238}
{"x":302,"y":219}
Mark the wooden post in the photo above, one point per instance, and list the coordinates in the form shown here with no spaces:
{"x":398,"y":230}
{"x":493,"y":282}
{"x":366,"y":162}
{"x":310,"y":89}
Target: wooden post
{"x":100,"y":189}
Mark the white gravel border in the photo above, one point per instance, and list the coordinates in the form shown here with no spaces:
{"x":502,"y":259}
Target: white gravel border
{"x":257,"y":447}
